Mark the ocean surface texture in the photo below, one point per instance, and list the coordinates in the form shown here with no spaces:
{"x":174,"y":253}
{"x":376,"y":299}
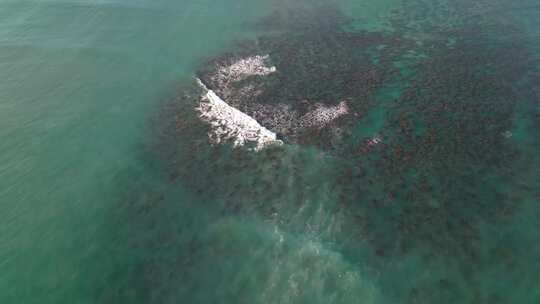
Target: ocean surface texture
{"x":407,"y":169}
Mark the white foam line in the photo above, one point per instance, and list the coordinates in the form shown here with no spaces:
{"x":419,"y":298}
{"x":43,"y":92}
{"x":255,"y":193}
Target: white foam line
{"x":228,"y":123}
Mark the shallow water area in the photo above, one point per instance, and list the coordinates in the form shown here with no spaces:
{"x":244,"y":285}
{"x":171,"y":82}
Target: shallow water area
{"x":408,"y":171}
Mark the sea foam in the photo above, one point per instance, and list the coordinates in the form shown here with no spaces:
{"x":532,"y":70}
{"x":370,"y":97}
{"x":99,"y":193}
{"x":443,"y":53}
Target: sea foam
{"x":229,"y":124}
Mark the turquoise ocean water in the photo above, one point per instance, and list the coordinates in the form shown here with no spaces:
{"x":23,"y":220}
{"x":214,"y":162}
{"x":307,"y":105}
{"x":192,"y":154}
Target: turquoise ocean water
{"x":89,"y":212}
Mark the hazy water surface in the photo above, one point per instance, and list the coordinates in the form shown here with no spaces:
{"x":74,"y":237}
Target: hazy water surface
{"x":93,"y":210}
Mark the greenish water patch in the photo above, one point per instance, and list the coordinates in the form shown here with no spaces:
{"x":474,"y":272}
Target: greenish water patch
{"x":370,"y":16}
{"x":372,"y":122}
{"x":79,"y":81}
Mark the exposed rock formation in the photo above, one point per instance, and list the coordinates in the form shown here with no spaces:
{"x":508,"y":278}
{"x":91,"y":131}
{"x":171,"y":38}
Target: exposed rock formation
{"x":241,"y":69}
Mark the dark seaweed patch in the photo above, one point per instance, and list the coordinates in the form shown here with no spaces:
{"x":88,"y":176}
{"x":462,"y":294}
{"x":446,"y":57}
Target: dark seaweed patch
{"x":446,"y":163}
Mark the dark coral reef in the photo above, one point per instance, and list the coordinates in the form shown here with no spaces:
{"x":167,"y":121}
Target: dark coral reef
{"x":408,"y":138}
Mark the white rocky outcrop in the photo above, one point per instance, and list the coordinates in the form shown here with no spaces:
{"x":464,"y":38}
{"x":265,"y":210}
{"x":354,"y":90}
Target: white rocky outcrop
{"x":227,"y":73}
{"x":281,"y":118}
{"x":249,"y":66}
{"x":229,"y":124}
{"x":323,"y":115}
